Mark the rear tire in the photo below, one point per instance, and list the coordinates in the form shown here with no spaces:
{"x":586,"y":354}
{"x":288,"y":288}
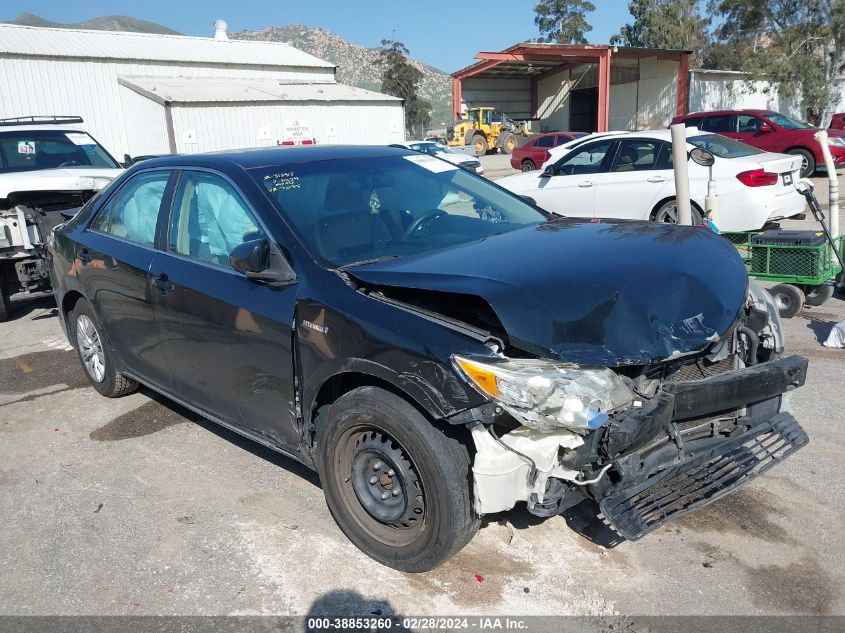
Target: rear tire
{"x":817,"y":295}
{"x":668,"y":212}
{"x":528,"y":165}
{"x":479,"y":142}
{"x":97,"y":360}
{"x":808,"y":161}
{"x":397,"y":486}
{"x":789,"y":299}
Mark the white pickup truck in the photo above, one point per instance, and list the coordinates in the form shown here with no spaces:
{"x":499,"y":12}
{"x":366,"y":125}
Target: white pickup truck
{"x":48,"y":165}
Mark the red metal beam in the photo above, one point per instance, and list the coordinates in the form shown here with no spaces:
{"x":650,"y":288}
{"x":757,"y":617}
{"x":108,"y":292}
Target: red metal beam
{"x":604,"y":92}
{"x":480,"y":67}
{"x":456,"y":97}
{"x":683,"y":85}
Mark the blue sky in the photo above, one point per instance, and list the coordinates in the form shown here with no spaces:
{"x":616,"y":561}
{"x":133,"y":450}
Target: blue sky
{"x":444,"y":34}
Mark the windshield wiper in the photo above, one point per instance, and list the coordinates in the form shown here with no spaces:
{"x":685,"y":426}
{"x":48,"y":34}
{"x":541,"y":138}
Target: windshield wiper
{"x":364,"y":262}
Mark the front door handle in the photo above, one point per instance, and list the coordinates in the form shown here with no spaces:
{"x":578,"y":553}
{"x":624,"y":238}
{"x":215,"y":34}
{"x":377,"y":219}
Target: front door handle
{"x":163,"y":283}
{"x":586,"y":183}
{"x":84,"y":256}
{"x":657,"y":179}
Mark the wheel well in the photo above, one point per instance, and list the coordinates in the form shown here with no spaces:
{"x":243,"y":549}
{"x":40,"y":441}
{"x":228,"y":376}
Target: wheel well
{"x":341,"y":384}
{"x":69,"y":302}
{"x":528,"y":160}
{"x":801,"y":147}
{"x":667,"y":199}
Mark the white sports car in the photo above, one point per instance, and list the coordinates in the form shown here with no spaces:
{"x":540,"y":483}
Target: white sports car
{"x":629,"y":175}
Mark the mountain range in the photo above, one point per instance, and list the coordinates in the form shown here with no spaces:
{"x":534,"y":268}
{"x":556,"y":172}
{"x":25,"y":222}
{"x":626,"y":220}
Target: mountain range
{"x":356,"y":65}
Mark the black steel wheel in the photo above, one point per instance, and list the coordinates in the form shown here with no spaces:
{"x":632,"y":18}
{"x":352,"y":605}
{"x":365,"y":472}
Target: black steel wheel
{"x":397,"y":486}
{"x":789,"y":299}
{"x":528,"y":165}
{"x":817,"y":295}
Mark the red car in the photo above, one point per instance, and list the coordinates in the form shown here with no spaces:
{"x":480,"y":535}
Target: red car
{"x":837,"y":121}
{"x":535,"y":152}
{"x":772,"y":132}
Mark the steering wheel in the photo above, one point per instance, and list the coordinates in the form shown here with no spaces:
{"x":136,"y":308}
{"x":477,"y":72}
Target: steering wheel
{"x":428,"y":216}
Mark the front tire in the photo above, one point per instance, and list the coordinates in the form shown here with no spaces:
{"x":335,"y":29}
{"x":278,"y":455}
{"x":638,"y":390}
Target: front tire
{"x":789,"y":299}
{"x":508,"y":143}
{"x":808,"y":161}
{"x":94,"y":354}
{"x":397,"y":486}
{"x":479,"y":143}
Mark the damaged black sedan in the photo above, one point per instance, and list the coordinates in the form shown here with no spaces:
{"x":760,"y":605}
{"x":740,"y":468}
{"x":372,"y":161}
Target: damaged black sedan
{"x":435,"y":347}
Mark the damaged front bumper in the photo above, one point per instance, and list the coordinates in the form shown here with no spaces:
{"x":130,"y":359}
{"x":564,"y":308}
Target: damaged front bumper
{"x":691,"y":443}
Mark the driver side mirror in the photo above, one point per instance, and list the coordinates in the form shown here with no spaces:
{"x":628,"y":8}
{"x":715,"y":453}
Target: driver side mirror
{"x":548,"y":172}
{"x":765,"y":127}
{"x":127,"y":161}
{"x":258,"y":262}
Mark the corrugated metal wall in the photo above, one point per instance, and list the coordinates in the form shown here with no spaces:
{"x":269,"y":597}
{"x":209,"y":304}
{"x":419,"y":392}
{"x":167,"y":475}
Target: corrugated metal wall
{"x":553,"y":102}
{"x":657,"y":94}
{"x":511,"y":96}
{"x":224,"y":126}
{"x":89,"y":88}
{"x":146,"y":124}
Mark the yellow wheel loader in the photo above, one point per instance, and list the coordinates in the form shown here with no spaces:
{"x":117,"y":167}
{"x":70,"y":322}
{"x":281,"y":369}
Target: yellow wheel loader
{"x":486,"y":130}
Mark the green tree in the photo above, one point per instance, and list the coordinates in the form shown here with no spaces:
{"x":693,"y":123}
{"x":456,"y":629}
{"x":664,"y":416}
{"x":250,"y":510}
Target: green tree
{"x":797,"y":45}
{"x":674,"y":24}
{"x":402,"y":79}
{"x":563,"y":21}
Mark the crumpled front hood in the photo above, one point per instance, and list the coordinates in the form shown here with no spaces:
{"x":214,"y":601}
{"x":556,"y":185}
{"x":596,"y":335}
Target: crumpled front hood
{"x":606,"y":293}
{"x":73,"y":179}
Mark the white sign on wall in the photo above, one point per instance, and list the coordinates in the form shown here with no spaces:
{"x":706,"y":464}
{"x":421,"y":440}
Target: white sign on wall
{"x":297,"y":129}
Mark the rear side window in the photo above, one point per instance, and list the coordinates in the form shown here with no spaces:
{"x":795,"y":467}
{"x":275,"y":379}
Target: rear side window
{"x":718,"y":123}
{"x":561,"y":139}
{"x":636,"y":155}
{"x":545,"y":141}
{"x":693,"y":121}
{"x":132,"y":213}
{"x":210,"y":219}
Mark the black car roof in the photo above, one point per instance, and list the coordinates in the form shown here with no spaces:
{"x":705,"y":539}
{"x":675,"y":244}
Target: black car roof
{"x":274,"y":156}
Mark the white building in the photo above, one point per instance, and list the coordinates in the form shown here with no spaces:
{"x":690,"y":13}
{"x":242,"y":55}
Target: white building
{"x":145,"y":93}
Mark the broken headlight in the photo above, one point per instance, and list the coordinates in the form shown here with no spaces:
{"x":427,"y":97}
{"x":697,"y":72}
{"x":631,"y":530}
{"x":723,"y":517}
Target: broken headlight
{"x":763,"y":299}
{"x":546,"y":395}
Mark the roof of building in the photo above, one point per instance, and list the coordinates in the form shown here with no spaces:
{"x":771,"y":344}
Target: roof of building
{"x":78,"y":43}
{"x":222,"y":90}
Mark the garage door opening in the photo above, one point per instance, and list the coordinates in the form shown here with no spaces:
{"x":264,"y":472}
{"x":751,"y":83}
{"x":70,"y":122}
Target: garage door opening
{"x":583,"y":111}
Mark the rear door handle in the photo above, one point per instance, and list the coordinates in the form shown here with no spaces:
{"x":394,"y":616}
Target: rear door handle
{"x":657,"y":179}
{"x":586,"y":183}
{"x":163,"y":284}
{"x":84,"y":256}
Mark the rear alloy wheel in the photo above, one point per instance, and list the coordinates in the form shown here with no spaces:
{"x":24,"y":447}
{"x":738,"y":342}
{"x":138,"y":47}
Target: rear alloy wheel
{"x":817,"y":295}
{"x":668,"y":213}
{"x":808,"y":161}
{"x":86,"y":335}
{"x":528,"y":165}
{"x":397,"y":486}
{"x":479,"y":143}
{"x":789,"y":299}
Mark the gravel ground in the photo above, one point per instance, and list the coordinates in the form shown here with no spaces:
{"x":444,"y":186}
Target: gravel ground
{"x":134,"y":506}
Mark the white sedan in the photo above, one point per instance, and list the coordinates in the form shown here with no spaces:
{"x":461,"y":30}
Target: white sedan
{"x":464,"y":161}
{"x":629,"y":175}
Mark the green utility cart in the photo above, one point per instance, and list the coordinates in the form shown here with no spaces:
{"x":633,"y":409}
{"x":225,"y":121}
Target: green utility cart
{"x":802,"y":262}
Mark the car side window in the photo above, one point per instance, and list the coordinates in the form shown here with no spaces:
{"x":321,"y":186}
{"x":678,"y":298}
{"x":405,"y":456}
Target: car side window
{"x":560,"y":140}
{"x":545,"y":141}
{"x":718,"y":123}
{"x":748,"y":123}
{"x":132,"y":213}
{"x":665,"y":159}
{"x":636,"y":155}
{"x":210,"y":219}
{"x":587,"y":160}
{"x":693,"y":122}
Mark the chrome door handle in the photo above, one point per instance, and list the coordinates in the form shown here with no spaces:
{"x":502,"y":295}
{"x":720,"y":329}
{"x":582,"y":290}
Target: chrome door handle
{"x":657,"y":179}
{"x":586,"y":183}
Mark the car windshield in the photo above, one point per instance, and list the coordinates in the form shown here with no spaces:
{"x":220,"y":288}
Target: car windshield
{"x":430,"y":148}
{"x":722,"y":146}
{"x":31,"y":150}
{"x":352,"y":211}
{"x":787,"y":122}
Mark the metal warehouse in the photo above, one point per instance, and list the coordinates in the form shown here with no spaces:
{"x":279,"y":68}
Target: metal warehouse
{"x":145,"y":93}
{"x":580,"y":88}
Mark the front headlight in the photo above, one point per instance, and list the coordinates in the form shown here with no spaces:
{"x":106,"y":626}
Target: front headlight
{"x":546,"y":395}
{"x":836,"y":141}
